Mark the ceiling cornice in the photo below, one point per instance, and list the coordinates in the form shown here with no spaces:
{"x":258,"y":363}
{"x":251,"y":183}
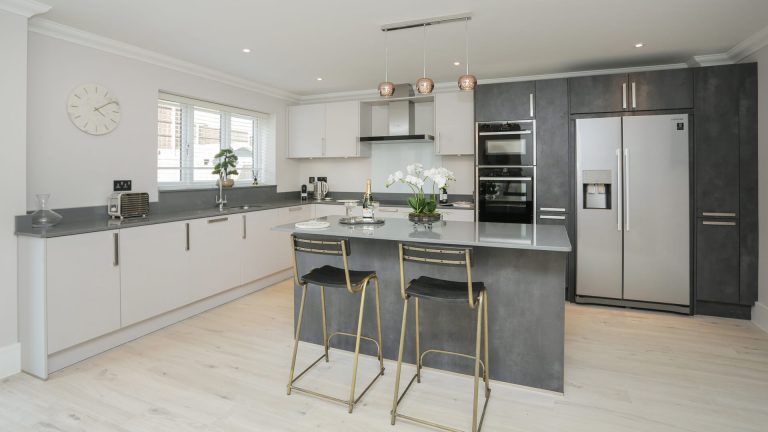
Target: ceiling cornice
{"x":25,"y":8}
{"x":444,"y":87}
{"x":749,"y":46}
{"x":80,"y":37}
{"x":710,"y":60}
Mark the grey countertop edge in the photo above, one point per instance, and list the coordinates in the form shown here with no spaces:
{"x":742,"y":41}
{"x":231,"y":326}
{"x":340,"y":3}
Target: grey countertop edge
{"x":85,"y":226}
{"x":558,"y":230}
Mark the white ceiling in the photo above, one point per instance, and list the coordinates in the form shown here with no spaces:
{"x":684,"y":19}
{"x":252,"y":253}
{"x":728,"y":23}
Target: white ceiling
{"x":294,"y":42}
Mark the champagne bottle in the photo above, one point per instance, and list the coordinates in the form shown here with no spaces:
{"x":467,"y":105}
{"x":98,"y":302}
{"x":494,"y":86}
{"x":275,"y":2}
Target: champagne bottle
{"x":368,"y":201}
{"x":443,"y":196}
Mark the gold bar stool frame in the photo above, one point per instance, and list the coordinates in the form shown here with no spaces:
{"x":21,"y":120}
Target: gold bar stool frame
{"x":355,"y":282}
{"x":433,"y":289}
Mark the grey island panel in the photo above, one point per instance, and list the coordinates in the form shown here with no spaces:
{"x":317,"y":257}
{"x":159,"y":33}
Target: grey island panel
{"x":551,"y":238}
{"x":525,"y":281}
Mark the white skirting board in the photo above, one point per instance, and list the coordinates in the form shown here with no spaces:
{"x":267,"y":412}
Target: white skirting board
{"x":760,"y":316}
{"x":10,"y":360}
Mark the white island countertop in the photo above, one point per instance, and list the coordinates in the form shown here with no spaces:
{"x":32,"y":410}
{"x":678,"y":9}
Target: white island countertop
{"x":552,"y":238}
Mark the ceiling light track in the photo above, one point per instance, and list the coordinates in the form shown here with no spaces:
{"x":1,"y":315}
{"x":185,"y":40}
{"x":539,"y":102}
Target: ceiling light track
{"x":426,"y":22}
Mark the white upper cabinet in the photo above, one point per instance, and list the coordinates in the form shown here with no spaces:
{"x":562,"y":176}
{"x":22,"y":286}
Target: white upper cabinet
{"x":306,"y":130}
{"x":455,"y":123}
{"x":325,"y":130}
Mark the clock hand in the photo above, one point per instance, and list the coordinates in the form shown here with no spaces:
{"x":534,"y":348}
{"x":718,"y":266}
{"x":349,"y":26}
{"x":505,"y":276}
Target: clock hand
{"x":110,"y":102}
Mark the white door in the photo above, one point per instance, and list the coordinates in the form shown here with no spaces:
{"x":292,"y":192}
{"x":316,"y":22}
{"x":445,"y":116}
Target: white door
{"x":656,"y":217}
{"x":154,"y":270}
{"x":306,"y":130}
{"x":215,"y":256}
{"x":342,"y":129}
{"x":82,"y":287}
{"x":455,"y":123}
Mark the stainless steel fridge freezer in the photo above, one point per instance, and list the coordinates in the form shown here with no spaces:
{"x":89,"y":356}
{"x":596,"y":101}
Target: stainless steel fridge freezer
{"x":632,"y":227}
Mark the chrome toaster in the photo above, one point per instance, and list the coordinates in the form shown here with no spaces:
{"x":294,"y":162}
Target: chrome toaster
{"x":128,"y":204}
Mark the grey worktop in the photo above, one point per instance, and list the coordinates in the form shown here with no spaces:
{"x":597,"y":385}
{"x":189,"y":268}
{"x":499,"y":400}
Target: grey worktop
{"x":483,"y":234}
{"x":101,"y":222}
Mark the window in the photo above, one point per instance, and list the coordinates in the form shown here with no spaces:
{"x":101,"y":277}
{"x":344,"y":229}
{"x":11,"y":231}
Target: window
{"x":190,"y":133}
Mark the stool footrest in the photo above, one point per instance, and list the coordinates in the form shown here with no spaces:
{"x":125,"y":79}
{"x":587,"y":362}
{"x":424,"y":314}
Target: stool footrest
{"x":437,"y":351}
{"x":378,"y":348}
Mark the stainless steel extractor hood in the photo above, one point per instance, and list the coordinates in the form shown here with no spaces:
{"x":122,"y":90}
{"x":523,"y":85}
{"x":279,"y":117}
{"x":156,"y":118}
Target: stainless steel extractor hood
{"x":401,"y":120}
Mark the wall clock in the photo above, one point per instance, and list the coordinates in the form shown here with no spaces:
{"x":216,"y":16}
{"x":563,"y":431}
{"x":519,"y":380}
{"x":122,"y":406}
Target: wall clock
{"x":93,"y":109}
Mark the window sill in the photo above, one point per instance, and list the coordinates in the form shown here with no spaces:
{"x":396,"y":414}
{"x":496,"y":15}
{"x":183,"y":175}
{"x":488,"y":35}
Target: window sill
{"x":163,"y":187}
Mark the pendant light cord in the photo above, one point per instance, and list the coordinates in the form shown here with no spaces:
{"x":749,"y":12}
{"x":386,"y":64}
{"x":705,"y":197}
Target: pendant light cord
{"x":386,"y":56}
{"x":424,"y":51}
{"x":466,"y":42}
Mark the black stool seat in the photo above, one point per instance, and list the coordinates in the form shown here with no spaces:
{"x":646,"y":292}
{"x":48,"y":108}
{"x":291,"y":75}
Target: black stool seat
{"x":334,"y":277}
{"x":443,"y":290}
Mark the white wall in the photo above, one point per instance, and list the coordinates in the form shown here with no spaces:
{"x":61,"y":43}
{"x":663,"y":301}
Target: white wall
{"x":13,"y":120}
{"x":760,"y":312}
{"x":77,"y":168}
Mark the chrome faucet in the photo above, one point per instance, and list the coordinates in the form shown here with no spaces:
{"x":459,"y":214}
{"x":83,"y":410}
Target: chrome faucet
{"x":221,"y":199}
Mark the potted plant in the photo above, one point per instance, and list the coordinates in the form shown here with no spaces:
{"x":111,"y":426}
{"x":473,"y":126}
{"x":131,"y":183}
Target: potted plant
{"x":226,"y":166}
{"x":423,"y":205}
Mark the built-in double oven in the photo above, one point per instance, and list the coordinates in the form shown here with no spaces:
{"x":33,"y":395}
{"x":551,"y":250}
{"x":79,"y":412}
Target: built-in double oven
{"x":506,"y":171}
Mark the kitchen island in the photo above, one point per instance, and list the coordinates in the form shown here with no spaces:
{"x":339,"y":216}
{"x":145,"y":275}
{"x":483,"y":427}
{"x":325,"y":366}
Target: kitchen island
{"x":523,"y":268}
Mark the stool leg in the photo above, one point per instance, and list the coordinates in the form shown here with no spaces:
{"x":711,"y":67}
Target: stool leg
{"x":378,"y":324}
{"x":477,"y":359}
{"x":400,"y":360}
{"x":325,"y":326}
{"x":418,"y":344}
{"x":357,"y":349}
{"x":485,"y":336}
{"x":296,"y":338}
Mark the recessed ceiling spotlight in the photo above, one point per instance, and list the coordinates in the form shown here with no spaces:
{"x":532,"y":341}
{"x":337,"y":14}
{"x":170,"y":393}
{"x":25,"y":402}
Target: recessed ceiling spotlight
{"x":457,"y":63}
{"x":246,"y":50}
{"x":639,"y":45}
{"x":319,"y":78}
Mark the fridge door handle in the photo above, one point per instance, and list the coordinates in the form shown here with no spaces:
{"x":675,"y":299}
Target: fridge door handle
{"x":626,"y":185}
{"x":619,"y":215}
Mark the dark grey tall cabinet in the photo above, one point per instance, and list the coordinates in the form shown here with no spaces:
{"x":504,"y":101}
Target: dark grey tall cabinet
{"x":726,"y":214}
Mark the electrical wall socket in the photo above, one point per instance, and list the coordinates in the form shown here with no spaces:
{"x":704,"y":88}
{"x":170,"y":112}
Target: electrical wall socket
{"x":121,"y":185}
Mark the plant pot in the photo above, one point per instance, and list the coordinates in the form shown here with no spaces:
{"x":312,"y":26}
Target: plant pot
{"x":228,"y":183}
{"x":424,"y":218}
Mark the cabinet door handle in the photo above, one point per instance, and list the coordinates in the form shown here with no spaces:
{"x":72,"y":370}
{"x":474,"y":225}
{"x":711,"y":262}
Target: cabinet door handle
{"x":116,"y":251}
{"x":294,"y":209}
{"x":717,"y":214}
{"x":387,"y":210}
{"x":217,"y":220}
{"x":624,"y":95}
{"x":552,"y":217}
{"x":186,"y":229}
{"x":719,"y":223}
{"x":634,"y":96}
{"x":437,"y":143}
{"x":245,"y":229}
{"x":552,"y":209}
{"x":531,"y":104}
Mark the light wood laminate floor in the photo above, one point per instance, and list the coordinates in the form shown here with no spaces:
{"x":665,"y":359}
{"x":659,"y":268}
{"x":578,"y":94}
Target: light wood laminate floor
{"x":226,"y":370}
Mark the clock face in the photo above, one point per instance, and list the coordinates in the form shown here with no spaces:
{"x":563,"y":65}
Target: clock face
{"x":93,"y":109}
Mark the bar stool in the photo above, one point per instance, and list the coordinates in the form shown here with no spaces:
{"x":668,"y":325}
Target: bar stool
{"x":440,"y":290}
{"x":355,"y":282}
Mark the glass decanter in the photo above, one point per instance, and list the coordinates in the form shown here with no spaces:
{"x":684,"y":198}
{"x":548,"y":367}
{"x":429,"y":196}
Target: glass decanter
{"x":44,"y":217}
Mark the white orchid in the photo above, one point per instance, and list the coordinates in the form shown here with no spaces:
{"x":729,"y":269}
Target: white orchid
{"x":416,"y":178}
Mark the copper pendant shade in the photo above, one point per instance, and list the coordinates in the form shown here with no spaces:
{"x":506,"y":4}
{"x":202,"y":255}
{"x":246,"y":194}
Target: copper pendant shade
{"x":467,"y":82}
{"x":425,"y":85}
{"x":386,"y":88}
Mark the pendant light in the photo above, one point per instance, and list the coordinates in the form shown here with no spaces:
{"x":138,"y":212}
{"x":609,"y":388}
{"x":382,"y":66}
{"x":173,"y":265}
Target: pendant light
{"x":386,"y":88}
{"x":425,"y":85}
{"x":467,"y":82}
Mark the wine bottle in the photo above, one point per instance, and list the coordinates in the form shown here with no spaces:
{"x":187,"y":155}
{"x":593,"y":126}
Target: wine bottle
{"x":368,"y":201}
{"x":443,"y":196}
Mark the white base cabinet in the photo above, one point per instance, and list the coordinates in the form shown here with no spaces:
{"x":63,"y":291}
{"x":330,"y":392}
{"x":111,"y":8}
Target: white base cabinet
{"x":82,"y":278}
{"x":155,"y":270}
{"x":214,"y":255}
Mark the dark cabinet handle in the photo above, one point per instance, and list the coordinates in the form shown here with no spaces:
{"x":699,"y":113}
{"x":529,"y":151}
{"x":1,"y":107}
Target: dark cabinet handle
{"x":245,"y":229}
{"x":210,"y":221}
{"x":186,"y":227}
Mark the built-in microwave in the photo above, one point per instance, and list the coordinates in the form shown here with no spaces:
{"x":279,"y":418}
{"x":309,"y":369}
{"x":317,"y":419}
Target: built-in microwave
{"x":510,"y":143}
